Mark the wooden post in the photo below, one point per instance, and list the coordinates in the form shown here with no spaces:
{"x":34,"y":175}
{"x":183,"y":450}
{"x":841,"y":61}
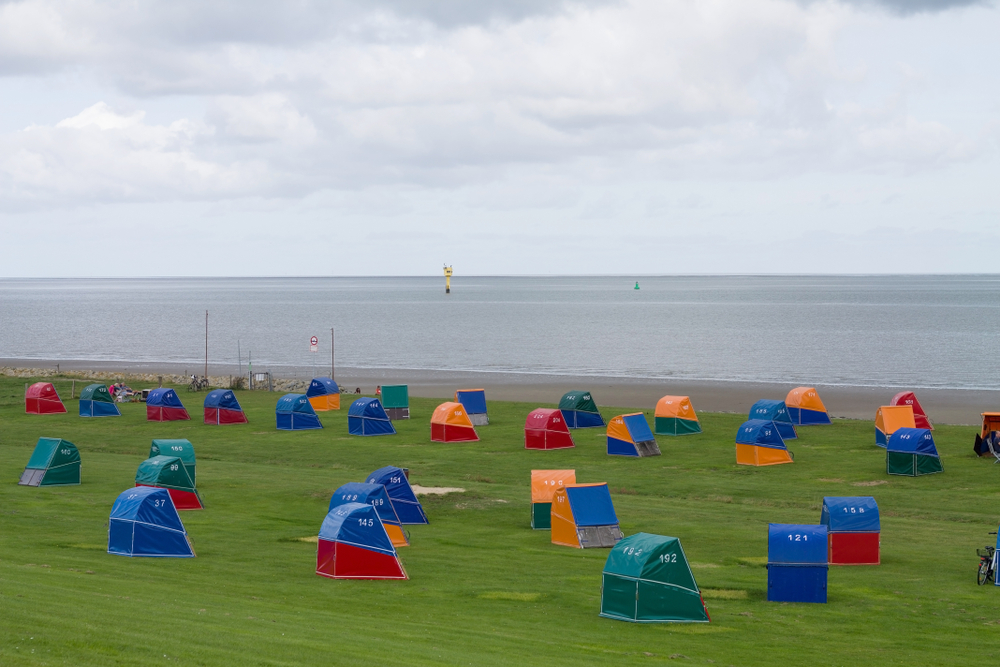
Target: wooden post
{"x":206,"y":345}
{"x":72,"y":392}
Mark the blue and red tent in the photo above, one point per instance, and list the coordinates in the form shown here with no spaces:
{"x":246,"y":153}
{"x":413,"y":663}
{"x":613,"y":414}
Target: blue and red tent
{"x":221,"y":407}
{"x":353,"y":544}
{"x":162,"y":405}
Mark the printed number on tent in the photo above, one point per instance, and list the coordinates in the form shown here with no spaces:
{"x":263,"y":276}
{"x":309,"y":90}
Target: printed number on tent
{"x":804,"y":538}
{"x":668,"y":558}
{"x":366,"y":522}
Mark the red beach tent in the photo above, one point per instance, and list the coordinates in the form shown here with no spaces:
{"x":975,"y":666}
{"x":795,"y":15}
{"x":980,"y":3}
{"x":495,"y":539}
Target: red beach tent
{"x":546,"y":429}
{"x":42,"y":399}
{"x":920,"y":418}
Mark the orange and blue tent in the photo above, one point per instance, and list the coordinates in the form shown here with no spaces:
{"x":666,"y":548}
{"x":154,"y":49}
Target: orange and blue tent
{"x":805,"y":407}
{"x":222,"y":407}
{"x":675,"y":416}
{"x":920,"y":417}
{"x":451,"y":423}
{"x":474,"y":401}
{"x":544,"y":484}
{"x":758,"y":443}
{"x":353,"y":544}
{"x":376,"y":496}
{"x":323,"y":394}
{"x":777,"y":412}
{"x":629,"y":435}
{"x":890,"y":418}
{"x":294,"y":412}
{"x":546,"y":429}
{"x":42,"y":399}
{"x":366,"y":416}
{"x":583,"y":516}
{"x":404,"y":500}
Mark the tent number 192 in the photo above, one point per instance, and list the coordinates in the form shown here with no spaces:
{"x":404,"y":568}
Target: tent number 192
{"x":668,"y":558}
{"x":798,"y":538}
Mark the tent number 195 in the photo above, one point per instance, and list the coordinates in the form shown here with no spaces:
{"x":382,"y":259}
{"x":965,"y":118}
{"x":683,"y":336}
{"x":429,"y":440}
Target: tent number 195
{"x":668,"y":558}
{"x":798,"y":538}
{"x":366,"y":522}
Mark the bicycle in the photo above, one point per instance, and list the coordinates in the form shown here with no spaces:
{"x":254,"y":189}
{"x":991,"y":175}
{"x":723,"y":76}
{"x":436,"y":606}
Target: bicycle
{"x":987,"y":564}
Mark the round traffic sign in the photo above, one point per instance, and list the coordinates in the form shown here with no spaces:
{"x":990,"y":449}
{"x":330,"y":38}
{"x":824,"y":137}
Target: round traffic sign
{"x":314,"y":341}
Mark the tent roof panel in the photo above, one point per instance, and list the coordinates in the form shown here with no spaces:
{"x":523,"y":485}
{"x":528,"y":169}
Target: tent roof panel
{"x":357,"y":524}
{"x":544,"y":483}
{"x":322,"y":387}
{"x":675,"y":406}
{"x":850,"y":514}
{"x":796,"y":544}
{"x":582,"y":401}
{"x":591,"y":504}
{"x":912,"y":441}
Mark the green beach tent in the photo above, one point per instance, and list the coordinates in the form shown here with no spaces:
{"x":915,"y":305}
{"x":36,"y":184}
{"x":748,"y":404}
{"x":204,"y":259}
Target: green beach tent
{"x":96,"y":401}
{"x":168,"y":472}
{"x":580,"y":410}
{"x":396,"y":400}
{"x":911,"y":452}
{"x":647,"y":579}
{"x":182,"y":449}
{"x":55,"y":462}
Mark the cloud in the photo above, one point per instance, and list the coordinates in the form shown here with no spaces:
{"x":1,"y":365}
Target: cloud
{"x":917,"y":6}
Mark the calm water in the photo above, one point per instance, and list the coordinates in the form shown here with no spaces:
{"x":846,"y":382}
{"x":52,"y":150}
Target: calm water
{"x":898,"y":330}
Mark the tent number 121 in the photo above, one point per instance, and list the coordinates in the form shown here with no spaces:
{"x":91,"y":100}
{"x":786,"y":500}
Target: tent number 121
{"x":798,"y":538}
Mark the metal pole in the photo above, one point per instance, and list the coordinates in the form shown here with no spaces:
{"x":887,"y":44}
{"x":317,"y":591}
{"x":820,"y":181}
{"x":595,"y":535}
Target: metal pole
{"x":333,"y":369}
{"x":206,"y":345}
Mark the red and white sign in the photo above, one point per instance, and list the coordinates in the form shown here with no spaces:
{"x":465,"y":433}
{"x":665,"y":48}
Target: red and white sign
{"x":314,"y":344}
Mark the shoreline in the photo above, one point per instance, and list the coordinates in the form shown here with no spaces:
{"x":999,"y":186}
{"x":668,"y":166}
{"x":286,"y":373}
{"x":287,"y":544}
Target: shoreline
{"x":944,"y":406}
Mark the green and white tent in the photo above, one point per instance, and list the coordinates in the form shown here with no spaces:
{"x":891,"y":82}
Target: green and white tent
{"x":647,"y":579}
{"x":55,"y":462}
{"x":182,"y":449}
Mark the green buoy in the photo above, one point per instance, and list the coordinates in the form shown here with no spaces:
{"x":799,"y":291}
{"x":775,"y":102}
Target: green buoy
{"x":637,"y":284}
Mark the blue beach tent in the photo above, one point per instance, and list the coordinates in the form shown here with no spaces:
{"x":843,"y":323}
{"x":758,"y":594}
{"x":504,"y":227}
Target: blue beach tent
{"x":295,"y":413}
{"x":222,"y":407}
{"x":144,"y":522}
{"x":797,"y":563}
{"x":850,"y":514}
{"x":368,"y":417}
{"x":911,"y":452}
{"x":376,"y":496}
{"x":777,"y":412}
{"x":630,"y":435}
{"x":404,"y":501}
{"x":474,"y":402}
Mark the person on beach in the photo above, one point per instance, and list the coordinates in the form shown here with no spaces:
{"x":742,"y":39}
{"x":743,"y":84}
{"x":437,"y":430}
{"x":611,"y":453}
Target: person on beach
{"x":378,"y":390}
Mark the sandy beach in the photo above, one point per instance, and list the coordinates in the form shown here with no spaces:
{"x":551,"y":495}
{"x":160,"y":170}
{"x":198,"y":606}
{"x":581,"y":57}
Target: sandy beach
{"x":946,"y":406}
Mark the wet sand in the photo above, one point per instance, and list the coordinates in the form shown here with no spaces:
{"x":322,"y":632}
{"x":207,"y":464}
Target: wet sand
{"x":945,"y":406}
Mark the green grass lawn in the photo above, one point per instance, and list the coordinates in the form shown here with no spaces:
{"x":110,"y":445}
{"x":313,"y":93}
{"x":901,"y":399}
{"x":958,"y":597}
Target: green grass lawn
{"x":484,"y":589}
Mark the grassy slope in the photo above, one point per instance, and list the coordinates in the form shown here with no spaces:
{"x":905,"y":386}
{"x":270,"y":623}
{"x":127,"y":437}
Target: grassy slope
{"x":483,"y":588}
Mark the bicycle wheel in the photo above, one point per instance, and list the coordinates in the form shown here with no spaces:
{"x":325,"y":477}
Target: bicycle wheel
{"x":985,"y":572}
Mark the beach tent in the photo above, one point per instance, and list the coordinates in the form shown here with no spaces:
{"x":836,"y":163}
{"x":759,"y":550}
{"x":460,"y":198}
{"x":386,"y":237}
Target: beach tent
{"x":647,"y":579}
{"x":323,"y":394}
{"x":42,"y":399}
{"x":989,"y":434}
{"x":168,"y":472}
{"x":221,"y":407}
{"x":853,"y":526}
{"x":544,"y":484}
{"x":629,"y":435}
{"x":404,"y":501}
{"x":920,"y":417}
{"x":182,"y":449}
{"x":583,"y":516}
{"x":376,"y":496}
{"x":675,"y":416}
{"x":396,"y":400}
{"x":546,"y":429}
{"x":777,"y":412}
{"x":474,"y":402}
{"x":55,"y":462}
{"x":367,"y":417}
{"x":911,"y":452}
{"x":294,"y":412}
{"x":889,"y":418}
{"x":96,"y":401}
{"x":797,"y":565}
{"x":450,"y":423}
{"x":758,"y":443}
{"x":805,"y":407}
{"x":144,"y":522}
{"x":580,"y":411}
{"x":353,"y":544}
{"x":162,"y":405}
{"x":991,"y":422}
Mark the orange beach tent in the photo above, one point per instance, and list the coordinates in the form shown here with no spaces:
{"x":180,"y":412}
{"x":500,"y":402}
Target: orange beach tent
{"x":450,"y":423}
{"x":991,"y":422}
{"x":805,"y":407}
{"x":583,"y":516}
{"x":888,"y":418}
{"x":544,"y":484}
{"x":675,"y":416}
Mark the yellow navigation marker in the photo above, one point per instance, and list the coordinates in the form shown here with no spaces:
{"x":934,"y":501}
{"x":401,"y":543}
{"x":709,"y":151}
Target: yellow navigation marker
{"x":447,"y":279}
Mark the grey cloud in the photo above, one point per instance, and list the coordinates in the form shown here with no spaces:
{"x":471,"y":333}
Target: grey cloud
{"x":917,"y":6}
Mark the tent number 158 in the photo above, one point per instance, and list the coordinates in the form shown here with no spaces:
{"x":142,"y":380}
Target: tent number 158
{"x":854,"y":510}
{"x":668,"y":558}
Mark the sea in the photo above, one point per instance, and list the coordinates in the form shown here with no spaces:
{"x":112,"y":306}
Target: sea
{"x":914,"y":331}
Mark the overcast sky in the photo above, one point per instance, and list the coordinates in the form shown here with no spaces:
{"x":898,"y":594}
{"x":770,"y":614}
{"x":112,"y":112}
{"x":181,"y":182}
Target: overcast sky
{"x":386,"y":137}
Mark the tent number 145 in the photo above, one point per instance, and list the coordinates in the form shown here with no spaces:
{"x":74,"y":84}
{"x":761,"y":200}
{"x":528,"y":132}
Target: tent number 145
{"x":366,"y":522}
